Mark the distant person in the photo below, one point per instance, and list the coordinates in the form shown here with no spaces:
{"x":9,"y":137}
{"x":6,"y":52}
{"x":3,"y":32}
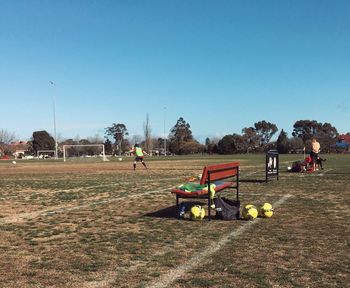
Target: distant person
{"x":315,"y":149}
{"x":139,"y":153}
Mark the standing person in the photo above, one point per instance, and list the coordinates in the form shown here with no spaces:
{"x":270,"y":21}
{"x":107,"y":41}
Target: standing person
{"x":137,"y":150}
{"x":315,"y":149}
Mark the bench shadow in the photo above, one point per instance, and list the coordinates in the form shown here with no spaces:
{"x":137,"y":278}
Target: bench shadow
{"x":171,"y":211}
{"x":252,"y":180}
{"x":168,"y":212}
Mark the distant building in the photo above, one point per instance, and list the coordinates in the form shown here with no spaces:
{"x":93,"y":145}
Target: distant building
{"x":345,"y":138}
{"x":19,"y":148}
{"x":343,"y":143}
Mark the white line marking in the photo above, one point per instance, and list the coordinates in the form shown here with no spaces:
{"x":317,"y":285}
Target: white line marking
{"x":89,"y":187}
{"x":31,"y":215}
{"x":324,"y":171}
{"x":173,"y":275}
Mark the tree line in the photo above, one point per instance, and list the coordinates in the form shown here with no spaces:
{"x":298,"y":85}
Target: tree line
{"x":180,"y":141}
{"x":254,"y":139}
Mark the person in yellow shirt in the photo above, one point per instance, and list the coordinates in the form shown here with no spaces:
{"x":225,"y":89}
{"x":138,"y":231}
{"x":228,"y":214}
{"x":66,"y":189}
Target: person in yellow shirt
{"x":315,"y":149}
{"x":139,"y":153}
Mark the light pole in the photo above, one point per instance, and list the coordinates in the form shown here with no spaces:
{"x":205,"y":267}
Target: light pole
{"x":164,"y":132}
{"x":54,"y":122}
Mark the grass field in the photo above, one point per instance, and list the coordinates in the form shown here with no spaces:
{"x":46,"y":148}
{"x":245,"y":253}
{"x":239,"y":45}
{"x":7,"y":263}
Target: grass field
{"x":100,"y":224}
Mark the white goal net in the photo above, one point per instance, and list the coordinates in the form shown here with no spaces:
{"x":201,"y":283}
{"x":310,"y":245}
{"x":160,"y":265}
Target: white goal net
{"x":44,"y":154}
{"x":84,"y":151}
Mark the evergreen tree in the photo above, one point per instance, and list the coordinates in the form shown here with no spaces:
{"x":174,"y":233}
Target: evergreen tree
{"x":42,"y":140}
{"x":117,"y":131}
{"x":179,"y":135}
{"x":283,"y":143}
{"x":108,"y":146}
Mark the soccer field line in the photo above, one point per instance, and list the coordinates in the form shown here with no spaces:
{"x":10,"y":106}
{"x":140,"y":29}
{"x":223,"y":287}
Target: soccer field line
{"x":324,"y":172}
{"x":22,"y":217}
{"x":306,"y":174}
{"x":108,"y":279}
{"x":114,"y":184}
{"x":197,"y":260}
{"x":107,"y":185}
{"x":94,"y":186}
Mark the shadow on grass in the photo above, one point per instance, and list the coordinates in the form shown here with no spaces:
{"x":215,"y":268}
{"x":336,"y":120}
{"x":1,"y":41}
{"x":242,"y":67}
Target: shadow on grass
{"x":252,"y":180}
{"x":172,"y":211}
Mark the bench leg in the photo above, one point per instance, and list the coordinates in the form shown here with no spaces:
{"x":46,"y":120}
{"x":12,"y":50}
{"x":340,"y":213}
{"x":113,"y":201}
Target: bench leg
{"x":177,"y":207}
{"x":237,"y":185}
{"x":209,"y":204}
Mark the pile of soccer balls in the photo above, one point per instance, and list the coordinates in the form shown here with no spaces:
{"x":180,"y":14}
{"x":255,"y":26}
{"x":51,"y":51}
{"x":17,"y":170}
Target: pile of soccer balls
{"x":250,"y":212}
{"x":197,"y":212}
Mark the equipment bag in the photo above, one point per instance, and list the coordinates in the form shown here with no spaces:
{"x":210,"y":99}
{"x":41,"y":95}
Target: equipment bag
{"x":226,"y":209}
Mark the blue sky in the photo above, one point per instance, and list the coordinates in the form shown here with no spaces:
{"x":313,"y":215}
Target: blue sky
{"x":221,"y":65}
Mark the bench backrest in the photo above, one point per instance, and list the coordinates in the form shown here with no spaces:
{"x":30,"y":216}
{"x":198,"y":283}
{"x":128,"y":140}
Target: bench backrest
{"x":219,"y":171}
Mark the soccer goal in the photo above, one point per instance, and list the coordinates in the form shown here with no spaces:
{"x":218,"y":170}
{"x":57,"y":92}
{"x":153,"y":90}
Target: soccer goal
{"x":44,"y":154}
{"x":84,"y":151}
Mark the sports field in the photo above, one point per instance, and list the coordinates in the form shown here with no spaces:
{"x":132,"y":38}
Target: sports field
{"x":100,"y":224}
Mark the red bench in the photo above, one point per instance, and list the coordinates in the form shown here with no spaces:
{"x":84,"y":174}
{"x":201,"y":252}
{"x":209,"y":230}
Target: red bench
{"x":213,"y":174}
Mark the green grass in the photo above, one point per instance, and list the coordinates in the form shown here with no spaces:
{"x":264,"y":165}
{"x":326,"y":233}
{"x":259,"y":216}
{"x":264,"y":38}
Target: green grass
{"x":94,"y":224}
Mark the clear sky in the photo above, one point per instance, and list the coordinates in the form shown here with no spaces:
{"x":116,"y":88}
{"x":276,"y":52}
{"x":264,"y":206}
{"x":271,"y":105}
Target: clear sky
{"x":221,"y":65}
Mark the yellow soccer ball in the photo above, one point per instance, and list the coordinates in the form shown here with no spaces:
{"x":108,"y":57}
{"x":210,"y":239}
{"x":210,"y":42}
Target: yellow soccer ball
{"x":266,"y":210}
{"x":197,"y":212}
{"x":249,"y":212}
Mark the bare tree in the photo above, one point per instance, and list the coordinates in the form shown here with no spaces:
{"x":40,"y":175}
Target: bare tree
{"x":136,"y":139}
{"x":6,"y":138}
{"x":97,"y":139}
{"x":147,"y":133}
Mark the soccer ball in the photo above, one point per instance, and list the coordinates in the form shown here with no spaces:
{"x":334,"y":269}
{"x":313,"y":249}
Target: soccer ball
{"x":120,"y":158}
{"x":266,"y":210}
{"x":249,"y":212}
{"x":197,"y":212}
{"x":14,"y":162}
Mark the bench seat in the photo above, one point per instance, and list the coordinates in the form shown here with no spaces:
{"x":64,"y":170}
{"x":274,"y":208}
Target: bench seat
{"x":224,"y":176}
{"x":193,"y":194}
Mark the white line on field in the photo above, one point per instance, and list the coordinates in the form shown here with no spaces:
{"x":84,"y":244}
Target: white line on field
{"x":315,"y":174}
{"x":174,"y":274}
{"x":323,"y":172}
{"x":110,"y":200}
{"x":31,"y":215}
{"x":96,"y":186}
{"x":61,"y":209}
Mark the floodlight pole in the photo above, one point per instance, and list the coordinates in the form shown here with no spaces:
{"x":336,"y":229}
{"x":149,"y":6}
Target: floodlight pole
{"x":164,"y":132}
{"x":54,"y":122}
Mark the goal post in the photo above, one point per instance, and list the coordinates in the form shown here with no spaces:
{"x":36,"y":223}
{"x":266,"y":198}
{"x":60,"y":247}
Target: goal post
{"x":42,"y":152}
{"x":66,"y":147}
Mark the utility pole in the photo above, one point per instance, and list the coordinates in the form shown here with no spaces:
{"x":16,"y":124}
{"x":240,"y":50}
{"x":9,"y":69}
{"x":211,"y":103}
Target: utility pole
{"x":54,"y":121}
{"x":164,"y":132}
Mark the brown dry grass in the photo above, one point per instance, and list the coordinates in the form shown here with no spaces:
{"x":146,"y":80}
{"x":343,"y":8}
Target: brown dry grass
{"x":104,"y":225}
